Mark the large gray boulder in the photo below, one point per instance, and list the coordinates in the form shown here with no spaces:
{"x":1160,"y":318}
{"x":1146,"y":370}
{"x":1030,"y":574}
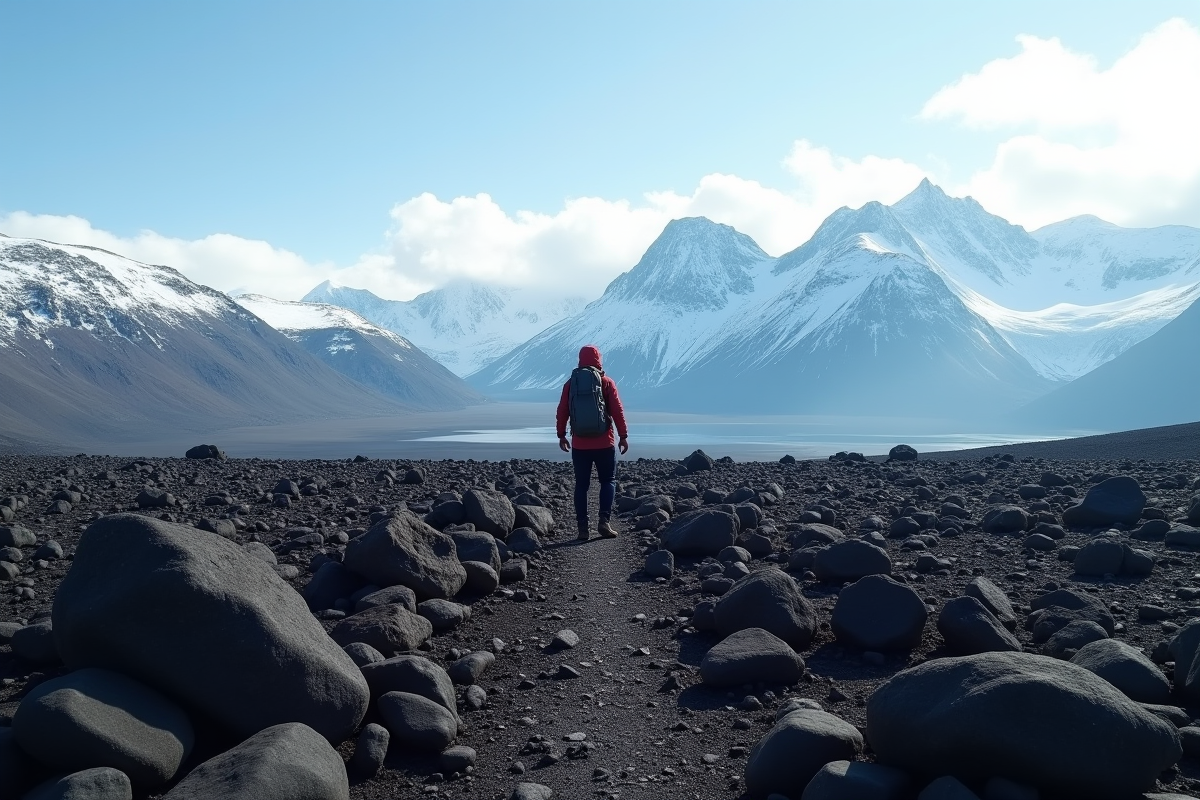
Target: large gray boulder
{"x":283,"y":762}
{"x":414,"y":675}
{"x":97,"y":783}
{"x":1114,"y":500}
{"x":196,"y":617}
{"x":97,"y":718}
{"x":878,"y":613}
{"x":1006,"y":519}
{"x":703,"y":532}
{"x":538,"y":518}
{"x":969,"y":628}
{"x":1029,"y":718}
{"x":850,"y":560}
{"x":1126,"y":668}
{"x":389,"y":629}
{"x":749,"y":656}
{"x":417,"y":721}
{"x":403,"y":550}
{"x":490,"y":511}
{"x":796,"y":748}
{"x":477,"y":546}
{"x":1101,"y":556}
{"x":771,"y":600}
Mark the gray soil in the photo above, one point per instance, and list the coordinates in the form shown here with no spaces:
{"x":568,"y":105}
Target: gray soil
{"x":642,"y":737}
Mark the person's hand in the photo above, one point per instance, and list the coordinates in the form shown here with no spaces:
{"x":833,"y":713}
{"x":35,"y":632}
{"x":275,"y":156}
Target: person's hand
{"x":563,"y":444}
{"x":623,"y":445}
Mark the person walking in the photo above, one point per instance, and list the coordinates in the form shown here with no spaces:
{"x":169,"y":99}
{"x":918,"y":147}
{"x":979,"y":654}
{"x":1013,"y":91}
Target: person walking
{"x":591,"y":404}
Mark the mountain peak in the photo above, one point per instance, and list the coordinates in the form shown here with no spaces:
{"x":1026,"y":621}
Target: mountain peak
{"x":927,"y":194}
{"x":694,"y":264}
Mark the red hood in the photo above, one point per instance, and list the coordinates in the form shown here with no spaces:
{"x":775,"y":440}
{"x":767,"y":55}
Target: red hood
{"x":589,"y":356}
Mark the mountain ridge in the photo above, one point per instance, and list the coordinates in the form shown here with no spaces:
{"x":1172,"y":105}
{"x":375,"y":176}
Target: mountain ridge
{"x":97,"y":347}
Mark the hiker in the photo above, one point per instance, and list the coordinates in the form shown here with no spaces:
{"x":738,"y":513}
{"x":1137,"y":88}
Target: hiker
{"x":591,"y":403}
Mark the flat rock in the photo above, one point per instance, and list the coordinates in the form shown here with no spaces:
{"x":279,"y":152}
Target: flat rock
{"x":748,"y":656}
{"x":96,"y":718}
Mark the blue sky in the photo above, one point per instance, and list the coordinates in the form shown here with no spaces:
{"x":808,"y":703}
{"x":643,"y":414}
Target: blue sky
{"x":300,"y":140}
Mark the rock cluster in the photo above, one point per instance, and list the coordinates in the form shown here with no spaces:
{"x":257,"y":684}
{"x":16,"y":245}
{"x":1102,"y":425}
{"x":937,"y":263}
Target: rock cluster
{"x":995,"y":628}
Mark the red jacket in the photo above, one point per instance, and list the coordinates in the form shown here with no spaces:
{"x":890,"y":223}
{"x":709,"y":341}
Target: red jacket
{"x":589,"y":356}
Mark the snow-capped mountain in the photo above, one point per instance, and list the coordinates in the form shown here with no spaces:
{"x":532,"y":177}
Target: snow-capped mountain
{"x":847,"y":326}
{"x":1155,"y":382}
{"x":95,"y":347}
{"x":931,"y":303}
{"x":464,"y":325}
{"x":366,"y":353}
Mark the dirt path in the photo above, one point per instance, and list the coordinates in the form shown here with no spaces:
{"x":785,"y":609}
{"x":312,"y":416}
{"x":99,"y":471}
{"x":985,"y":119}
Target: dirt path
{"x":641,"y":740}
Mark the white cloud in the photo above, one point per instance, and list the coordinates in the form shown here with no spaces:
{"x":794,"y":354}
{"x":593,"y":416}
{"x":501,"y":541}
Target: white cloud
{"x":574,"y":251}
{"x":1118,"y":142}
{"x":591,"y":240}
{"x":229,"y":263}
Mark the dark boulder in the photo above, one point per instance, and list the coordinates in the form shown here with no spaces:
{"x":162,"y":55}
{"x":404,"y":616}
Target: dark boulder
{"x":968,"y":628}
{"x":703,"y":532}
{"x":284,"y":762}
{"x":192,"y":615}
{"x":1040,"y":721}
{"x":748,"y":656}
{"x":771,"y":600}
{"x":206,"y":451}
{"x":404,"y":550}
{"x":878,"y":613}
{"x":1112,"y":501}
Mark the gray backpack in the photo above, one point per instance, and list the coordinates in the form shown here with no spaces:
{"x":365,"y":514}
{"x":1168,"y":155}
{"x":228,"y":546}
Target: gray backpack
{"x":589,"y":415}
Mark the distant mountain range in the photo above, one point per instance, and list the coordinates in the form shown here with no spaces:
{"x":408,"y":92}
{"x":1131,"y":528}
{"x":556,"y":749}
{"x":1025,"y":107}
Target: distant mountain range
{"x":365,"y":353}
{"x":929,"y":307}
{"x":465,"y":325}
{"x":95,"y":347}
{"x":1155,"y":382}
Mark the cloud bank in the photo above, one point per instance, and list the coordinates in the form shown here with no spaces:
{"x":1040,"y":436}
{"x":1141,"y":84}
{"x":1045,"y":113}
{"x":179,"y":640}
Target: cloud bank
{"x":1117,"y":142}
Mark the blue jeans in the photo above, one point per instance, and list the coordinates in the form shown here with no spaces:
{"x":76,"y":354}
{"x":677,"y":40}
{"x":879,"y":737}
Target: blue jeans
{"x":605,"y":460}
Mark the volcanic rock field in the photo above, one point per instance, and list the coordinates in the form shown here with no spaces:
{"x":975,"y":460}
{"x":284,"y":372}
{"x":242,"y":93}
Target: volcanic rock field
{"x":202,"y":627}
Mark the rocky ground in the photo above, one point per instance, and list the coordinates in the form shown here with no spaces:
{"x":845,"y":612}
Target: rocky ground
{"x":596,"y":687}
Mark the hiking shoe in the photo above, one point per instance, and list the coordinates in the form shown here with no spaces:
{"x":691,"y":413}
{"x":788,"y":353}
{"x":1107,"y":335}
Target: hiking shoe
{"x":584,"y":534}
{"x":606,"y":530}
